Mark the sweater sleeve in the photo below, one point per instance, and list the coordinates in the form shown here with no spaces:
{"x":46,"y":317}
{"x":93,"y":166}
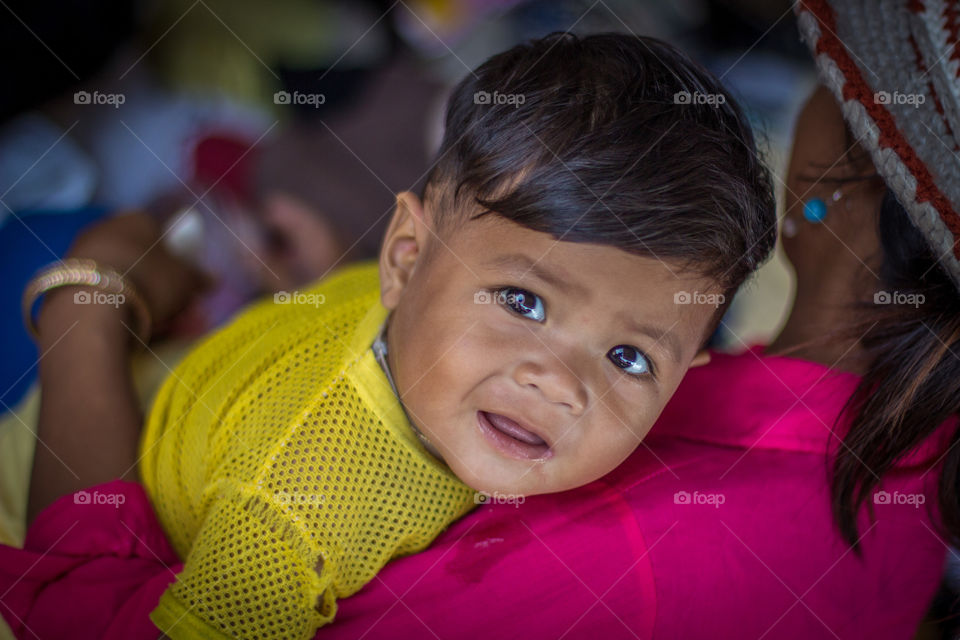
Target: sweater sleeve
{"x":248,"y":574}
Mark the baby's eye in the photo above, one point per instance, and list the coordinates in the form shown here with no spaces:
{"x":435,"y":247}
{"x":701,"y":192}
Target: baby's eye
{"x":522,"y":302}
{"x":631,"y":360}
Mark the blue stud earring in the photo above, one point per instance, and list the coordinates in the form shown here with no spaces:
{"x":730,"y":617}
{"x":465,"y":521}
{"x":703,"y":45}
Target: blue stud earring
{"x":814,"y":210}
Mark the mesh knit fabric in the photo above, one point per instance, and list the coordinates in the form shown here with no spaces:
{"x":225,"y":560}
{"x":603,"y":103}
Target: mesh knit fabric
{"x":284,"y":470}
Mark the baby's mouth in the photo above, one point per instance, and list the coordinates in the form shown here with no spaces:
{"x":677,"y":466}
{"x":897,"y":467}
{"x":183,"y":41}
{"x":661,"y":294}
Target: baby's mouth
{"x":511,"y":438}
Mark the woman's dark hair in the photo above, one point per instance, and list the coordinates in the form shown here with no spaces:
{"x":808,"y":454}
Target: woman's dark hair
{"x":610,"y":139}
{"x":912,"y":380}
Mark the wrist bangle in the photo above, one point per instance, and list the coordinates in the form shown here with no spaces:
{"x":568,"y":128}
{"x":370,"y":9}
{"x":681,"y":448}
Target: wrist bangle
{"x":112,"y":288}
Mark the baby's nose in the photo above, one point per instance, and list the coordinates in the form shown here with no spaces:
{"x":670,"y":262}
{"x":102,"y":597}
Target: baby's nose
{"x":556,"y":380}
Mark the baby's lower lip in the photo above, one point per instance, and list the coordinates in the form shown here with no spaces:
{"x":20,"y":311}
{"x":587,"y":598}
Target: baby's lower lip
{"x":509,"y":445}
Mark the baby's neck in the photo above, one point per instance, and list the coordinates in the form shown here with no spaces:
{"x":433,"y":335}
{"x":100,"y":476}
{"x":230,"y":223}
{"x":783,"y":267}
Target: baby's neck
{"x":381,"y":351}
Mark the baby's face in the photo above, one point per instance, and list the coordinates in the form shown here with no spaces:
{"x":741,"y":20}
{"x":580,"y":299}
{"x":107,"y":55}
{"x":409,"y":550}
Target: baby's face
{"x":527,"y":383}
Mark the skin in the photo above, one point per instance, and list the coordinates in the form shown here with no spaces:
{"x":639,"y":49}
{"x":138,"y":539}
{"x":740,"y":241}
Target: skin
{"x":836,"y":262}
{"x":451,"y":356}
{"x":309,"y":245}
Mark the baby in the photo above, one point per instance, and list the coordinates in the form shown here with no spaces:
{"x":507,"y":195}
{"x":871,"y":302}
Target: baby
{"x":593,"y":207}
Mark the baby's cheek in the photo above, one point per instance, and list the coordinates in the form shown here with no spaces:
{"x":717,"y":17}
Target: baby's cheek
{"x":629,"y":422}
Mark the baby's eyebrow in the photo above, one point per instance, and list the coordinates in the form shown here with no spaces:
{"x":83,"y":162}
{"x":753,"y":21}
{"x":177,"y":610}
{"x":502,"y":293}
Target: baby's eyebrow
{"x":663,"y":337}
{"x":523,"y":265}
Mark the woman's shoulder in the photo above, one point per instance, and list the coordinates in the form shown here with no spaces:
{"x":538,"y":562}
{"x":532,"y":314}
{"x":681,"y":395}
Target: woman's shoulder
{"x":760,"y":402}
{"x":752,"y":399}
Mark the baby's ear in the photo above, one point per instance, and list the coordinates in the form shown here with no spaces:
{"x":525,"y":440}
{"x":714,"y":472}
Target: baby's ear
{"x":702,"y":358}
{"x":403,"y":244}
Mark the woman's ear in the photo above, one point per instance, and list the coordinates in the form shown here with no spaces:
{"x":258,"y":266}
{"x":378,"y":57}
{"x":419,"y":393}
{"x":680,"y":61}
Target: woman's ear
{"x":702,"y":358}
{"x":403,"y":245}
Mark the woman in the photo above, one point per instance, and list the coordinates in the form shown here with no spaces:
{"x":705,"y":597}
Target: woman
{"x":730,"y":521}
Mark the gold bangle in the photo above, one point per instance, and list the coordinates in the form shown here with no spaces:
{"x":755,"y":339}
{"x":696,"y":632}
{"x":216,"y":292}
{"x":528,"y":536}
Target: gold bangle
{"x":114,"y":288}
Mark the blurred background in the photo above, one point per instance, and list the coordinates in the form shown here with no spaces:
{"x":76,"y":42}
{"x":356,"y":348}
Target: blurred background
{"x":269,"y":138}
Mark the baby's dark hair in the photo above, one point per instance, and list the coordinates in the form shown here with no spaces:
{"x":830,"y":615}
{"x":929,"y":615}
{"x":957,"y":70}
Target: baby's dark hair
{"x":610,"y":139}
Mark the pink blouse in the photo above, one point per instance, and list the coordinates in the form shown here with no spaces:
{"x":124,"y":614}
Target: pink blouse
{"x":718,"y":526}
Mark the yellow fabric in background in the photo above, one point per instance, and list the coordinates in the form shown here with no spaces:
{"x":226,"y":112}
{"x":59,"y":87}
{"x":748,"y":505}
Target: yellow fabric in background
{"x":16,"y":457}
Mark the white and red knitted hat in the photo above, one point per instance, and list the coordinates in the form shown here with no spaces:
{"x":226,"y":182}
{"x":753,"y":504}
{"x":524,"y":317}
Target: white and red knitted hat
{"x":894,"y":68}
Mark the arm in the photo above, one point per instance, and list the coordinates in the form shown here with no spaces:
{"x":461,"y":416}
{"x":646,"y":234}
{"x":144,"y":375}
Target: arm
{"x":90,"y":420}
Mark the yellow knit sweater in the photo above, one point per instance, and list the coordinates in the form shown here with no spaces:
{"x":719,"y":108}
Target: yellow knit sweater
{"x":283,"y":467}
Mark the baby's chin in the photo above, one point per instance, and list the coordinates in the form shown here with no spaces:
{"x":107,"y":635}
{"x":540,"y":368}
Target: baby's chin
{"x":494,"y":475}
